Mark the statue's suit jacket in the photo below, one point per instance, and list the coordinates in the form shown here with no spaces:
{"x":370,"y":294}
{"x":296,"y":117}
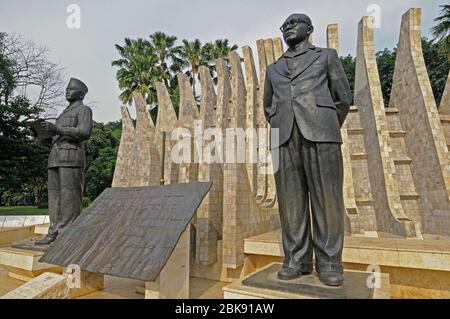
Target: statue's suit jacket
{"x":74,"y":127}
{"x":316,"y":94}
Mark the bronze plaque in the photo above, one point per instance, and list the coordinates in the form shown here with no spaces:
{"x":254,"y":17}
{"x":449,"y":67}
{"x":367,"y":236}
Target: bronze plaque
{"x":128,"y":232}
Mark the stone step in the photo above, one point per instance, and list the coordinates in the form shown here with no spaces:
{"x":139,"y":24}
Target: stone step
{"x":396,"y":252}
{"x":402,"y":161}
{"x":355,"y":131}
{"x":41,"y":229}
{"x":444,"y":118}
{"x":353,"y":109}
{"x":358,"y":156}
{"x":391,"y":111}
{"x":409,"y":196}
{"x":365,"y":202}
{"x":24,"y":264}
{"x":397,"y":133}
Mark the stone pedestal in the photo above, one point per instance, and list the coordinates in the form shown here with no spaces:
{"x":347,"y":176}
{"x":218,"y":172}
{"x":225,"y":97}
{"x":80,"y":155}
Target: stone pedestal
{"x":173,"y":280}
{"x":56,"y":286}
{"x":24,"y":264}
{"x":41,"y":229}
{"x":264,"y":284}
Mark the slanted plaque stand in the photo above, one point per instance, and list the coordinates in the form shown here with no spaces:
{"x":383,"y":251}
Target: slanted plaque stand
{"x":135,"y":232}
{"x":173,"y":280}
{"x":264,"y":284}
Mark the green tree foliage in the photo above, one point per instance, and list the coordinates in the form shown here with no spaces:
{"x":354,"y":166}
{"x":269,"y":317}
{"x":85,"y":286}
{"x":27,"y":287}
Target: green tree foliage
{"x":438,"y":66}
{"x":349,"y":64}
{"x":22,"y":160}
{"x":386,"y":66}
{"x":441,"y":31}
{"x":101,"y":153}
{"x":138,"y":70}
{"x":436,"y":61}
{"x":144,"y":63}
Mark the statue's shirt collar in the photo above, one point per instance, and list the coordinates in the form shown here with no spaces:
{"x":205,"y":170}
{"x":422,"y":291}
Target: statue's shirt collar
{"x":304,"y":47}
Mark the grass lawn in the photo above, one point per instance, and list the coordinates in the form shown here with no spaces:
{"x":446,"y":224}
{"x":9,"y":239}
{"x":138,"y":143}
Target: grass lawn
{"x":22,"y":210}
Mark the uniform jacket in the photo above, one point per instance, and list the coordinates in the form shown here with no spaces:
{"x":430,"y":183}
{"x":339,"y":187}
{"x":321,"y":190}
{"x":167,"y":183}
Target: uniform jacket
{"x":74,"y":127}
{"x":316,"y":94}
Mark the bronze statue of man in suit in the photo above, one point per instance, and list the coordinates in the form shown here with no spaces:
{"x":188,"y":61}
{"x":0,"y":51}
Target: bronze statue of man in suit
{"x":307,"y":98}
{"x":67,"y":161}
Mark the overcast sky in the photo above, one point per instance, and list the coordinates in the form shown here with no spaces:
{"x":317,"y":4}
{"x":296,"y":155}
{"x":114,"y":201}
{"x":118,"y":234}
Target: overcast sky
{"x":86,"y":53}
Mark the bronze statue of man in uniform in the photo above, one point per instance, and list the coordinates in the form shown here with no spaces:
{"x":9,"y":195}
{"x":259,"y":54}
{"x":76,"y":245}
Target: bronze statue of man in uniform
{"x":67,"y":161}
{"x":307,"y":98}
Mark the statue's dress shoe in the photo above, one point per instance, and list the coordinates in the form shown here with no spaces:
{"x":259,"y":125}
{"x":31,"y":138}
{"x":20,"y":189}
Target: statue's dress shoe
{"x":46,"y":240}
{"x":287,"y":273}
{"x":331,"y":278}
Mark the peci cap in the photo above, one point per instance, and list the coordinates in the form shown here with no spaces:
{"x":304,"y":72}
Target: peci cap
{"x":79,"y":84}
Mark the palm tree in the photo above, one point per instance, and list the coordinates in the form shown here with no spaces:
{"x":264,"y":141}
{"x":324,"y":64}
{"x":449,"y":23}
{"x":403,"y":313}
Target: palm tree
{"x":142,"y":64}
{"x":138,"y":70}
{"x":222,"y":48}
{"x":193,"y":57}
{"x":441,"y":31}
{"x":215,"y":50}
{"x":168,"y":53}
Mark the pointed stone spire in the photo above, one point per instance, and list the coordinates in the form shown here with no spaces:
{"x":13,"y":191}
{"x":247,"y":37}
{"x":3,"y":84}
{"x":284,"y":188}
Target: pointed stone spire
{"x":126,"y":152}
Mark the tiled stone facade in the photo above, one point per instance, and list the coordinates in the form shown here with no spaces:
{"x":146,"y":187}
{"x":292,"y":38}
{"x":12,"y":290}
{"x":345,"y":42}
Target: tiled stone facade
{"x":444,"y":107}
{"x":352,"y":223}
{"x":425,"y":140}
{"x":209,"y":223}
{"x":397,"y":178}
{"x":389,"y":213}
{"x":125,"y":154}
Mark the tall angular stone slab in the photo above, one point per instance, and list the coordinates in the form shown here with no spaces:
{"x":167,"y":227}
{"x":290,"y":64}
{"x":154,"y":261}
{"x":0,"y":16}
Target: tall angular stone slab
{"x":242,"y":216}
{"x":122,"y":171}
{"x":261,"y":123}
{"x":333,"y":36}
{"x":390,"y":217}
{"x":145,"y":170}
{"x":363,"y":220}
{"x":251,"y":117}
{"x":166,"y":122}
{"x":444,"y":111}
{"x":349,"y":192}
{"x":444,"y":106}
{"x":271,"y":190}
{"x":270,"y":54}
{"x":209,"y":220}
{"x":223,"y":95}
{"x":407,"y":189}
{"x":425,"y":140}
{"x":269,"y":198}
{"x":188,"y":114}
{"x":277,"y":48}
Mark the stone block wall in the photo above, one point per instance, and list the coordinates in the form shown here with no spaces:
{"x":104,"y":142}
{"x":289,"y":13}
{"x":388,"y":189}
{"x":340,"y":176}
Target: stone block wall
{"x":396,"y":172}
